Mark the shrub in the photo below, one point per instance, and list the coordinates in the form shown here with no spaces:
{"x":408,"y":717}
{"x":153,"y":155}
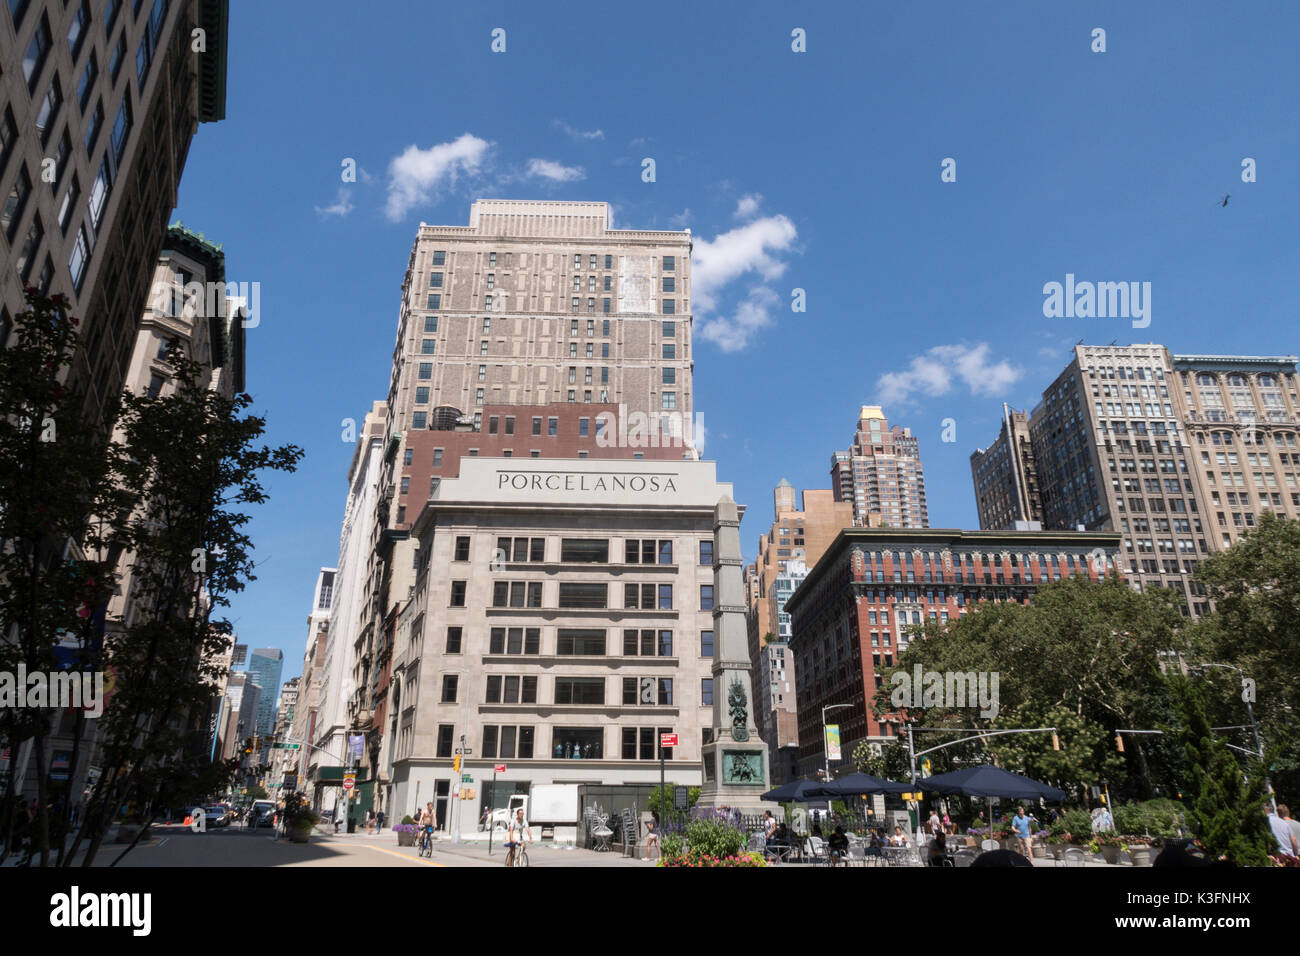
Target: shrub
{"x":714,"y":838}
{"x":407,"y":819}
{"x":703,"y":860}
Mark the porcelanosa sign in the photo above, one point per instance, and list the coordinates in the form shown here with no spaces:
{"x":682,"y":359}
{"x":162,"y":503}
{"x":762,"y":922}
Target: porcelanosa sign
{"x":588,"y":482}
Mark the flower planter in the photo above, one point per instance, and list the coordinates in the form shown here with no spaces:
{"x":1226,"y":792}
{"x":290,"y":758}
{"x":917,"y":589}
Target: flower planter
{"x":1040,"y":851}
{"x":1110,"y":854}
{"x":405,"y":839}
{"x":1058,"y":850}
{"x":299,"y":834}
{"x":1141,"y":855}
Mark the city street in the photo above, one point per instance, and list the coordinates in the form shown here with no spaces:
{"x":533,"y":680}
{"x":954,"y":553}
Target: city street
{"x":237,"y":846}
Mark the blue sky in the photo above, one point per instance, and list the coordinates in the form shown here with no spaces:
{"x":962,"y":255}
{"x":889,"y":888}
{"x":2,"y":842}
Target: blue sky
{"x":817,"y":170}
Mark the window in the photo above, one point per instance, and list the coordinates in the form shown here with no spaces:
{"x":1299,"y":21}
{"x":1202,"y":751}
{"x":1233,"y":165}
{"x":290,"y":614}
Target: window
{"x":462,"y":548}
{"x":641,"y":643}
{"x":422,"y":395}
{"x":517,"y":594}
{"x":434,"y":301}
{"x":510,"y":424}
{"x":706,"y":597}
{"x":605,"y":309}
{"x":156,"y":383}
{"x":584,"y":550}
{"x":669,"y":307}
{"x":419,"y":420}
{"x":519,"y":550}
{"x":665,"y":643}
{"x":27,"y":256}
{"x":669,"y":284}
{"x":706,"y":553}
{"x":426,"y":371}
{"x":580,"y":690}
{"x":437,"y":457}
{"x":435,"y":278}
{"x":572,"y":642}
{"x":669,"y":329}
{"x":430,"y":324}
{"x":439,"y":258}
{"x":16,"y":202}
{"x":552,"y":426}
{"x":457,"y":593}
{"x":669,"y":350}
{"x":453,"y":640}
{"x":49,"y":110}
{"x":648,"y":551}
{"x":37,"y":50}
{"x":670,"y":376}
{"x":449,"y":682}
{"x":706,"y":691}
{"x":668,"y":400}
{"x":706,"y":643}
{"x":69,"y":203}
{"x":670,"y":263}
{"x":576,"y":300}
{"x":639,"y":596}
{"x":576,"y":743}
{"x":584,"y":594}
{"x":121,"y":130}
{"x":665,"y":597}
{"x":445,"y":732}
{"x":115,"y":61}
{"x":93,"y":126}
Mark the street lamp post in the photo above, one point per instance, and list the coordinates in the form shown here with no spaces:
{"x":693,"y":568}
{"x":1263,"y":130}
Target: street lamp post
{"x":826,"y":753}
{"x":455,"y":833}
{"x":1254,"y":729}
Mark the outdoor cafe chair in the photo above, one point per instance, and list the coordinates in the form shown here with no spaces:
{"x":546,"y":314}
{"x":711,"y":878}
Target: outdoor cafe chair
{"x":990,"y":845}
{"x":964,"y":857}
{"x":857,"y":853}
{"x":817,"y":850}
{"x":1074,"y":857}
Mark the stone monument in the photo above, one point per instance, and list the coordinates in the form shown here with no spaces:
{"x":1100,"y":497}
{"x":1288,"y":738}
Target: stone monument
{"x":735,"y":760}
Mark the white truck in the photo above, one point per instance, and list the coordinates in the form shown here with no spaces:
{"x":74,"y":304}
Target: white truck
{"x":552,"y":805}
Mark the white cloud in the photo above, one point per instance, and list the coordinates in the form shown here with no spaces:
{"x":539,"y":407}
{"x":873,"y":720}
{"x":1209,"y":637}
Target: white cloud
{"x":579,"y":133}
{"x":940,"y":368}
{"x":340,"y":207}
{"x":754,"y":313}
{"x":417,"y":174}
{"x":681,"y":220}
{"x":555,"y":172}
{"x":747,"y":206}
{"x":751,"y":248}
{"x":747,"y":248}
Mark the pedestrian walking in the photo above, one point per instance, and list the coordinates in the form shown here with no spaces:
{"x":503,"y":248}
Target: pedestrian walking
{"x":1020,"y":824}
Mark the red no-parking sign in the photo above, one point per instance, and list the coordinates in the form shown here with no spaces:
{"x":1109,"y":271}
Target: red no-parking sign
{"x":499,"y":768}
{"x":667,"y":740}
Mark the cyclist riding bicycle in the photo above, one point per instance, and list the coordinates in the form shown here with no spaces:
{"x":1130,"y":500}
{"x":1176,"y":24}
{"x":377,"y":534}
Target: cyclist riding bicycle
{"x":516,"y":833}
{"x":426,"y":825}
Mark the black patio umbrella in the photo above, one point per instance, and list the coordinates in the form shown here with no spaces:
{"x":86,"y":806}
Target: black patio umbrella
{"x":988,"y":780}
{"x":859,"y":783}
{"x":796,"y":791}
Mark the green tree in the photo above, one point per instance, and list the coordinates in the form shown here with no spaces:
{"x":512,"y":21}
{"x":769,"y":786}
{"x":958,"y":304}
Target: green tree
{"x":56,"y":472}
{"x":886,"y":761}
{"x":1091,"y":649}
{"x":1224,"y":806}
{"x":195,"y":456}
{"x":1255,"y":586}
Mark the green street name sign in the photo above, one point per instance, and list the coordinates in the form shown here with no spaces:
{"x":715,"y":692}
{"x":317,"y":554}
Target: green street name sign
{"x":286,"y":746}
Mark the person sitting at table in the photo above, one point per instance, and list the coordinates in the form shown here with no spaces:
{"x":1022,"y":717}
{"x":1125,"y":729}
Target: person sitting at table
{"x":939,"y":849}
{"x":779,"y":841}
{"x":839,"y":845}
{"x":899,"y":838}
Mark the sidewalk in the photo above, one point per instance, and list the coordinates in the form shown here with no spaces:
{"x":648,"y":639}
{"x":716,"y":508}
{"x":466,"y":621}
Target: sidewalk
{"x":539,"y":854}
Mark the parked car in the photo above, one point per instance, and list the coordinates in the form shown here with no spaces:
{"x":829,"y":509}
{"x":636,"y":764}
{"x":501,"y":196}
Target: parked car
{"x":215,"y":815}
{"x":261,"y":813}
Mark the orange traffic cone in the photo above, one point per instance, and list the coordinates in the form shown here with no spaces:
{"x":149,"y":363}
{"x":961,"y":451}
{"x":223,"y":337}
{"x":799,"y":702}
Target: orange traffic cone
{"x":189,"y":821}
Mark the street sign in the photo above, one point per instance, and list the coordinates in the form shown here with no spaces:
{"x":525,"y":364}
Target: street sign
{"x":466,"y":778}
{"x":286,"y":746}
{"x":681,"y":798}
{"x":667,"y":740}
{"x":349,"y":781}
{"x":499,"y":768}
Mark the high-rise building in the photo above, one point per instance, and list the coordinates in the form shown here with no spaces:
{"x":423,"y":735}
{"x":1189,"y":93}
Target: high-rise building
{"x":1241,"y":417}
{"x":796,"y":541}
{"x":852,"y":614}
{"x":1006,"y":477}
{"x":307,"y":711}
{"x":541,"y":302}
{"x":881,"y":474}
{"x":564,"y":615}
{"x":113,"y":93}
{"x":264,"y":666}
{"x":1179,"y":454}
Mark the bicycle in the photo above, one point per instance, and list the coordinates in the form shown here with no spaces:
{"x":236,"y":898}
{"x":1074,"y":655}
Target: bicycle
{"x":426,"y":842}
{"x":519,"y":853}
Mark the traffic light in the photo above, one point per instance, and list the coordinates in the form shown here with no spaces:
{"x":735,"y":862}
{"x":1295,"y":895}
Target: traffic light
{"x":1056,"y":741}
{"x":455,"y":763}
{"x":1119,"y":742}
{"x":248,"y":745}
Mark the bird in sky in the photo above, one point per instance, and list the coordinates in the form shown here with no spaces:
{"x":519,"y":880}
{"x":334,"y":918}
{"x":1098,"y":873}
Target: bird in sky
{"x":1224,"y":200}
